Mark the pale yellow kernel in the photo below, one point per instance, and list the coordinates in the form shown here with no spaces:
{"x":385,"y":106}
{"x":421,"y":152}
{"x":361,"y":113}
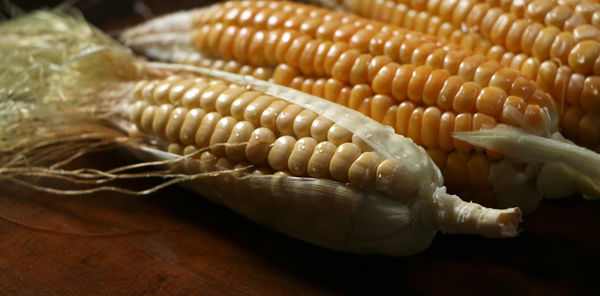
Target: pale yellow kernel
{"x":269,"y":116}
{"x":362,"y":171}
{"x":175,"y":148}
{"x":341,"y":160}
{"x":220,"y":135}
{"x":191,"y":97}
{"x":338,"y":134}
{"x":205,"y":129}
{"x":300,"y":156}
{"x":209,"y":96}
{"x":238,"y":139}
{"x":147,"y":118}
{"x":238,"y":107}
{"x":280,"y":152}
{"x":303,"y":122}
{"x":320,"y":128}
{"x":190,"y":125}
{"x":255,"y":109}
{"x":175,"y":123}
{"x":161,"y":118}
{"x":136,"y":111}
{"x":226,"y":98}
{"x":259,"y":145}
{"x":318,"y":165}
{"x":286,"y":118}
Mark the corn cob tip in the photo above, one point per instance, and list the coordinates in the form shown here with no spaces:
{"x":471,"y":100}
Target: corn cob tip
{"x":509,"y":225}
{"x":457,"y":216}
{"x":164,"y":38}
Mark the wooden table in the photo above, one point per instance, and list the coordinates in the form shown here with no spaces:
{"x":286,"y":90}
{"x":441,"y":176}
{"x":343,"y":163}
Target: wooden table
{"x":175,"y":243}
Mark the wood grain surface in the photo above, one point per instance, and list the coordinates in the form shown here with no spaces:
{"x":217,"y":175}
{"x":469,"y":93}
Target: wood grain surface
{"x":174,"y":242}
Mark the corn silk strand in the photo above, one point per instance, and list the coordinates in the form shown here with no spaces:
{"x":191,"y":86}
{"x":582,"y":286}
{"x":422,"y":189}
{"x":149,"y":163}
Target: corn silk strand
{"x":49,"y":110}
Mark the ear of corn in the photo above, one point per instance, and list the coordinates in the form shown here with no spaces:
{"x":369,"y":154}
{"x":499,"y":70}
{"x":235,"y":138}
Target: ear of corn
{"x":553,"y":43}
{"x":426,"y":89}
{"x":346,"y":183}
{"x":370,"y":69}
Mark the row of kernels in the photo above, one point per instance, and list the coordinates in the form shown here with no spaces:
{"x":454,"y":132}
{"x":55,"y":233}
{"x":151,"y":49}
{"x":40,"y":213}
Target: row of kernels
{"x":430,"y":126}
{"x":333,"y":58}
{"x":309,"y":20}
{"x":432,"y":86}
{"x":233,"y":66}
{"x":237,"y":141}
{"x":260,"y":110}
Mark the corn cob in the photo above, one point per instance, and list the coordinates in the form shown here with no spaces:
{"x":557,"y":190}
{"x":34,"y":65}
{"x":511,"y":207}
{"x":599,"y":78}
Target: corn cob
{"x":284,"y":149}
{"x":294,"y":162}
{"x":313,"y":61}
{"x":560,"y":56}
{"x":412,"y":48}
{"x":424,"y":104}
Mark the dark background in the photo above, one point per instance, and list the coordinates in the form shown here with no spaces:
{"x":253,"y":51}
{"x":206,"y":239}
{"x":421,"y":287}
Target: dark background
{"x":113,"y":15}
{"x":175,"y":243}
